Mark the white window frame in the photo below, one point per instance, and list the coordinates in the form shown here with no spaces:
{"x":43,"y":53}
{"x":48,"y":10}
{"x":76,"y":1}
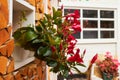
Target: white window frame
{"x":97,"y":40}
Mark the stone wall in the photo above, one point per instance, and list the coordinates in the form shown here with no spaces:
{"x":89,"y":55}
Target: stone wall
{"x":35,"y":70}
{"x":31,"y":71}
{"x":6,"y":42}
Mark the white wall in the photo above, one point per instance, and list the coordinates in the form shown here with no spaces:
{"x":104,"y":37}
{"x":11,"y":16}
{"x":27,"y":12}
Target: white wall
{"x":97,"y":46}
{"x":93,"y":46}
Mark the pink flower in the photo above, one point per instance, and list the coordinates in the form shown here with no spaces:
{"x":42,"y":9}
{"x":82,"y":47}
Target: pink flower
{"x":115,"y":61}
{"x":108,"y":54}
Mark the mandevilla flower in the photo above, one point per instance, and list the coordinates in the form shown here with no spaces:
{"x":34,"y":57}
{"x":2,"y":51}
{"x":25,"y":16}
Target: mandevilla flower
{"x":75,"y":57}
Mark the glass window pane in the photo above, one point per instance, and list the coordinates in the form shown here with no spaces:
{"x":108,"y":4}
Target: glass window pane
{"x":67,"y":11}
{"x":90,"y":34}
{"x":106,"y":14}
{"x":77,"y":35}
{"x":107,"y":34}
{"x":107,"y":24}
{"x":90,"y":13}
{"x":90,"y":24}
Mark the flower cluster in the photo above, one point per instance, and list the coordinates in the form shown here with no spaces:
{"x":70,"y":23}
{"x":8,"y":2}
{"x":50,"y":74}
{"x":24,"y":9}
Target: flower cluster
{"x":53,"y":41}
{"x":109,"y":65}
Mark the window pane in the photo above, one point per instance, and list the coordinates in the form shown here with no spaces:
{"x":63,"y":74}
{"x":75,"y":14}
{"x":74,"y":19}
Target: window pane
{"x":77,"y":35}
{"x":107,"y":34}
{"x":66,"y":11}
{"x":106,"y":14}
{"x":90,"y":34}
{"x":107,"y":24}
{"x":90,"y":13}
{"x":90,"y":24}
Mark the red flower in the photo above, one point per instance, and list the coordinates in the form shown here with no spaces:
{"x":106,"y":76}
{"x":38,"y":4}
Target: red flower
{"x":53,"y":48}
{"x":70,"y":38}
{"x":76,"y":28}
{"x":62,"y":7}
{"x":94,"y":58}
{"x":77,"y":13}
{"x":75,"y":57}
{"x":70,"y":51}
{"x":61,"y":46}
{"x":73,"y":16}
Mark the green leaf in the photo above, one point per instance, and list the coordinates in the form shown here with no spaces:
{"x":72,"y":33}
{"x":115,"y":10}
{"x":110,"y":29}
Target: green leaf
{"x":52,"y":63}
{"x":47,"y":53}
{"x":77,"y":70}
{"x":65,"y":73}
{"x":29,"y":35}
{"x":40,"y":51}
{"x":44,"y":51}
{"x":17,"y":35}
{"x":51,"y":40}
{"x":37,"y":41}
{"x":56,"y":13}
{"x":81,"y":65}
{"x":48,"y":16}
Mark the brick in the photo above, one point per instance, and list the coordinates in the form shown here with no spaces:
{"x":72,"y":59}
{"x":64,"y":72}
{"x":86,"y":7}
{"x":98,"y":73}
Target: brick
{"x":3,"y":50}
{"x":3,"y":64}
{"x":38,"y":1}
{"x":49,"y":5}
{"x":10,"y":67}
{"x":32,"y":2}
{"x":10,"y":47}
{"x":9,"y":29}
{"x":18,"y":76}
{"x":4,"y":14}
{"x":36,"y":78}
{"x":9,"y":77}
{"x":1,"y":78}
{"x":34,"y":70}
{"x":4,"y":36}
{"x":37,"y":61}
{"x":38,"y":16}
{"x":24,"y":71}
{"x":39,"y":71}
{"x":40,"y":8}
{"x":30,"y":74}
{"x":3,"y":21}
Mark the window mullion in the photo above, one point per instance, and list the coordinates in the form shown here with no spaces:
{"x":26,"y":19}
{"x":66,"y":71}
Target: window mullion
{"x":98,"y":24}
{"x":81,"y":22}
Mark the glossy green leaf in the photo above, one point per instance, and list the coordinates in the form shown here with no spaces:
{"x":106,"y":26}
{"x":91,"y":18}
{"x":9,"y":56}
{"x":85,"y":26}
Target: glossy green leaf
{"x":17,"y":35}
{"x":47,"y":53}
{"x":44,"y":51}
{"x":29,"y":35}
{"x":52,"y":63}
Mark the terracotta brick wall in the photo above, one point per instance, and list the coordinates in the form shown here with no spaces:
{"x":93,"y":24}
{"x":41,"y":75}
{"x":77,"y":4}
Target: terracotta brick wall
{"x":32,"y":71}
{"x":6,"y":42}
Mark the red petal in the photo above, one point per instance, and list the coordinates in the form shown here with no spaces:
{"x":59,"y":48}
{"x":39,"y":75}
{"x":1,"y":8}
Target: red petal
{"x":71,"y":59}
{"x":77,"y":13}
{"x":77,"y":56}
{"x":94,"y":58}
{"x":53,"y":48}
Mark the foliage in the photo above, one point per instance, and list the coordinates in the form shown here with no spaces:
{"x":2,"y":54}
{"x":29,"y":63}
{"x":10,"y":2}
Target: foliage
{"x":52,"y":41}
{"x":109,"y":65}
